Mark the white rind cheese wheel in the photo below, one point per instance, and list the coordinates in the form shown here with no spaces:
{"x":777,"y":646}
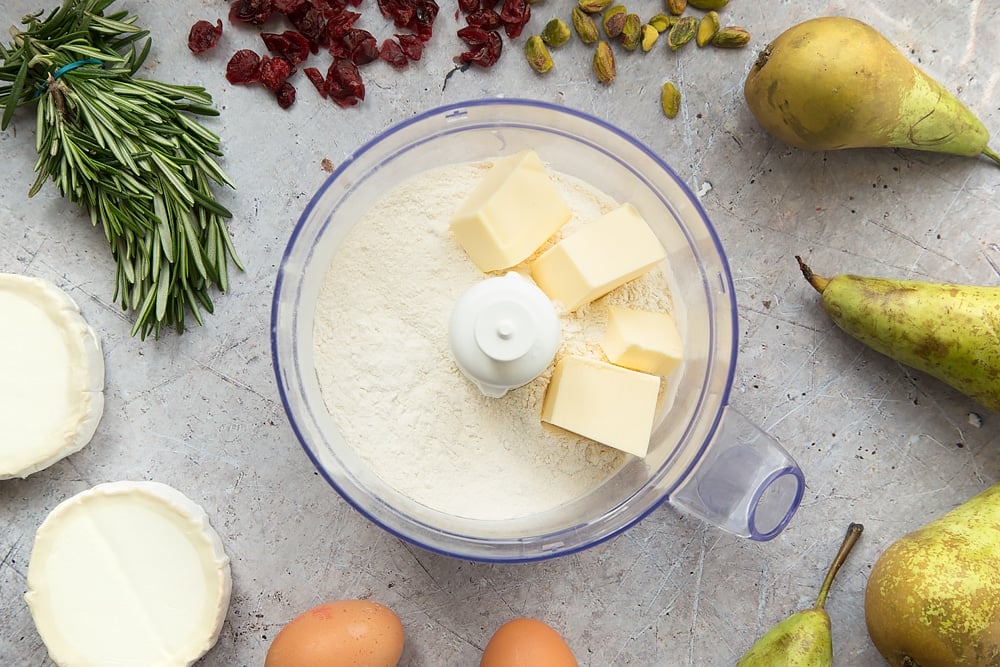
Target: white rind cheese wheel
{"x":51,"y":376}
{"x":128,"y":574}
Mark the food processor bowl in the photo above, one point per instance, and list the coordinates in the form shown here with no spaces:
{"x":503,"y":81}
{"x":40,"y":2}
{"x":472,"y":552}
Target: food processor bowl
{"x":704,"y":457}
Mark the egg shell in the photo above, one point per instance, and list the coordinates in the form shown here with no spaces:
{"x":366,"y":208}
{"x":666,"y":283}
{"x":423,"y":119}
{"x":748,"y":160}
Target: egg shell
{"x":344,"y":633}
{"x":526,"y":642}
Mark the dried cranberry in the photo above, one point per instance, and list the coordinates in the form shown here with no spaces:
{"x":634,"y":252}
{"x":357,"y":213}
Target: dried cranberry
{"x":392,"y":53}
{"x":425,"y":13}
{"x":330,"y":25}
{"x":488,"y":4}
{"x":204,"y":36}
{"x":285,"y":95}
{"x":290,"y":45}
{"x":317,"y":79}
{"x":339,"y":24}
{"x":274,"y":72}
{"x":338,"y":51}
{"x":243,"y":68}
{"x":276,"y":43}
{"x":515,"y":15}
{"x":361,"y":44}
{"x":474,"y":36}
{"x":329,"y":8}
{"x":412,"y":14}
{"x":468,"y":6}
{"x":400,"y":11}
{"x":286,"y":7}
{"x":301,"y":42}
{"x":312,"y":24}
{"x":485,"y":18}
{"x":486,"y":46}
{"x":251,"y":11}
{"x":412,"y":46}
{"x":344,"y":84}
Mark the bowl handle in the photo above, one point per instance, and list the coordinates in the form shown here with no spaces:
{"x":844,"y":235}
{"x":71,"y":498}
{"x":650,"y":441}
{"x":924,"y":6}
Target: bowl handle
{"x":745,"y":482}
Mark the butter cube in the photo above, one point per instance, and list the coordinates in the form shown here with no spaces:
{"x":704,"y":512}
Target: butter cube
{"x":612,"y":405}
{"x":600,"y":256}
{"x":642,"y":340}
{"x":510,"y":214}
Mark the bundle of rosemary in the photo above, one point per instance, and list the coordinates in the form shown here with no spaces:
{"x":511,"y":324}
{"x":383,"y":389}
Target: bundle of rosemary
{"x":127,"y":149}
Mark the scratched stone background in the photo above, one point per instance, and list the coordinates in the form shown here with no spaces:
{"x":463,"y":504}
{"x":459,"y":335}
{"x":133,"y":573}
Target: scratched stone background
{"x":880,"y":444}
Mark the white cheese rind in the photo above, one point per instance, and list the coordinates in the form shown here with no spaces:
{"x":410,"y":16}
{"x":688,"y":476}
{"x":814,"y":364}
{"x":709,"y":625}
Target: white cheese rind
{"x":128,"y":574}
{"x":51,"y":376}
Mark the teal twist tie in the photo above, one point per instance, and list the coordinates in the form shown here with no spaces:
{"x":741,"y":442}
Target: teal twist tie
{"x":68,"y":68}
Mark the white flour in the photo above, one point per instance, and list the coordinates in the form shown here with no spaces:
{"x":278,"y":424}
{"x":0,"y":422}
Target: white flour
{"x":388,"y":378}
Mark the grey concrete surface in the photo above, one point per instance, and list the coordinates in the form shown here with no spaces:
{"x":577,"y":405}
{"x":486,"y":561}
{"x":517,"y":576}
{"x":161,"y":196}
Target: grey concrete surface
{"x":880,"y":444}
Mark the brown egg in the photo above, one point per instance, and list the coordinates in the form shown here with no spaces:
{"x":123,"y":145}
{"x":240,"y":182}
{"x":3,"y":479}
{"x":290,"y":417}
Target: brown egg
{"x":345,"y":633}
{"x":525,"y":642}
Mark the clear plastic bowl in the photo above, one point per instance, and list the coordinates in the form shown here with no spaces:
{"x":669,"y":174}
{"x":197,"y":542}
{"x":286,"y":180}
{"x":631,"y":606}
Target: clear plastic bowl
{"x":593,"y":151}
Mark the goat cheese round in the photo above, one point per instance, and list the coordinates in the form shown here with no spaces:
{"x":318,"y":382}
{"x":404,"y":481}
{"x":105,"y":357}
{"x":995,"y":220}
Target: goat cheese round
{"x":129,"y":574}
{"x":51,"y":376}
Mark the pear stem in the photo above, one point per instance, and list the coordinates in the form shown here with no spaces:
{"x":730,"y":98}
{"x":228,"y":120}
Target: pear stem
{"x":991,"y":154}
{"x":818,"y":282}
{"x":850,"y":539}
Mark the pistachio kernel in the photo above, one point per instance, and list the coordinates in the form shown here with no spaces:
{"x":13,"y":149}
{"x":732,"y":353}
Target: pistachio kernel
{"x":604,"y":62}
{"x":585,"y":26}
{"x":708,"y":5}
{"x":731,"y":37}
{"x":537,"y":54}
{"x":707,"y":27}
{"x":556,"y":33}
{"x":631,"y":32}
{"x":670,"y":99}
{"x":593,"y":6}
{"x":661,"y":22}
{"x":676,"y":7}
{"x":682,"y":32}
{"x":614,"y":21}
{"x":647,"y":37}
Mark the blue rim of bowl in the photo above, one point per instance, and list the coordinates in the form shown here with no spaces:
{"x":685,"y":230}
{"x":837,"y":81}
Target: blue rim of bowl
{"x":728,"y":287}
{"x":800,"y":488}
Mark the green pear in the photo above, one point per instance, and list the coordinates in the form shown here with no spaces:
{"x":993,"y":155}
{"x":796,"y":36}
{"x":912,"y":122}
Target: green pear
{"x":835,"y":82}
{"x":951,"y":332}
{"x":933,"y":597}
{"x":803,"y":639}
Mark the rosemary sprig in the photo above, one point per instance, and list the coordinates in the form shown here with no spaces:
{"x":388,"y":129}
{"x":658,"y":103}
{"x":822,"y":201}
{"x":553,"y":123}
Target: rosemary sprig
{"x":127,"y":149}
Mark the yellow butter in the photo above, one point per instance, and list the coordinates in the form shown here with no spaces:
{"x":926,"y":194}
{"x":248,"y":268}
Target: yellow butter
{"x":612,"y":405}
{"x":510,"y":214}
{"x":642,"y":340}
{"x":600,"y":256}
